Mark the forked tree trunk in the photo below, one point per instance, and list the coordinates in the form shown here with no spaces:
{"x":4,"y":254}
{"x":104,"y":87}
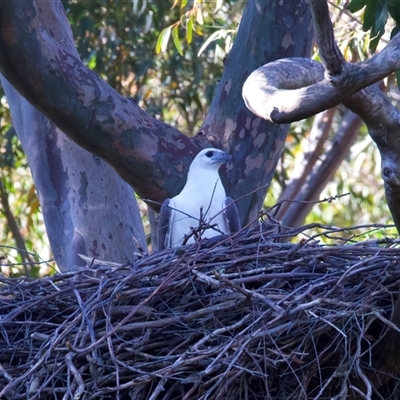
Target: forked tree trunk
{"x":151,"y":156}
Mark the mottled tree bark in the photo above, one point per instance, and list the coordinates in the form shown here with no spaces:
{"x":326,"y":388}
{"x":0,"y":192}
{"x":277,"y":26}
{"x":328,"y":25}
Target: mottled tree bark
{"x":150,"y":155}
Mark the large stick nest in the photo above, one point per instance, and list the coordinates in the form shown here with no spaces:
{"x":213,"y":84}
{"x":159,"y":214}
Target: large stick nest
{"x":245,"y":318}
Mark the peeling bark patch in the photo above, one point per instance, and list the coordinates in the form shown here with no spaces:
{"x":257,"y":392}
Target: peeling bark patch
{"x":269,"y":165}
{"x":259,"y":140}
{"x":228,"y":86}
{"x":104,"y":120}
{"x":287,"y":41}
{"x":225,"y":92}
{"x":255,"y":125}
{"x":277,"y":146}
{"x":230,"y":126}
{"x":122,"y":122}
{"x":253,"y":163}
{"x":125,"y":143}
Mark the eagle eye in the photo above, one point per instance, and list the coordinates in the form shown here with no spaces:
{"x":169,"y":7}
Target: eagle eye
{"x":209,"y":154}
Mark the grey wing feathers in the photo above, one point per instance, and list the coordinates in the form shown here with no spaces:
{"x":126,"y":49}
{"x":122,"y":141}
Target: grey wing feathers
{"x":164,"y":225}
{"x":231,"y":215}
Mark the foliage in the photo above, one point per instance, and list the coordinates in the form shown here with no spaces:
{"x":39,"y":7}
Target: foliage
{"x":375,"y":17}
{"x":21,"y":224}
{"x":118,"y":40}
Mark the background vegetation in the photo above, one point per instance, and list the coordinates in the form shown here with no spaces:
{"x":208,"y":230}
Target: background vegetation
{"x":126,"y":43}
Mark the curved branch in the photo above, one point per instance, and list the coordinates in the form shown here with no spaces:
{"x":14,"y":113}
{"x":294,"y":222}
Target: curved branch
{"x":380,"y":116}
{"x":142,"y":149}
{"x":269,"y":95}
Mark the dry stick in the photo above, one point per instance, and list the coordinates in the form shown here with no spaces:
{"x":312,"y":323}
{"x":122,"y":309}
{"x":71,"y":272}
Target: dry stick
{"x":41,"y":360}
{"x":248,"y":293}
{"x":360,"y":372}
{"x":77,"y":376}
{"x":124,"y":320}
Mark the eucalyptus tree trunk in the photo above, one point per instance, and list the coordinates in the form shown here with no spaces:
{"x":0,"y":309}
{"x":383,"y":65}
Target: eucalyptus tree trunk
{"x":269,"y":30}
{"x":87,"y":208}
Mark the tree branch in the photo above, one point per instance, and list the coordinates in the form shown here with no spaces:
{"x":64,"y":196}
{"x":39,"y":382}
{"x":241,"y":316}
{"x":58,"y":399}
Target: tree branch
{"x":268,"y":94}
{"x":86,"y":108}
{"x":331,"y":56}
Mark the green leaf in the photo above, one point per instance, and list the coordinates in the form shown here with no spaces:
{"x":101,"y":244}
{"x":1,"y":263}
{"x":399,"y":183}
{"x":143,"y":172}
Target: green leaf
{"x":162,"y":40}
{"x":378,"y":28}
{"x":175,"y":37}
{"x":189,"y":31}
{"x":394,"y":10}
{"x":370,"y":15}
{"x":357,"y":5}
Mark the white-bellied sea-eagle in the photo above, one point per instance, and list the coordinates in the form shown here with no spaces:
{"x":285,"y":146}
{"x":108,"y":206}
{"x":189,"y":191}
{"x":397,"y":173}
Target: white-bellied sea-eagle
{"x":201,"y":206}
